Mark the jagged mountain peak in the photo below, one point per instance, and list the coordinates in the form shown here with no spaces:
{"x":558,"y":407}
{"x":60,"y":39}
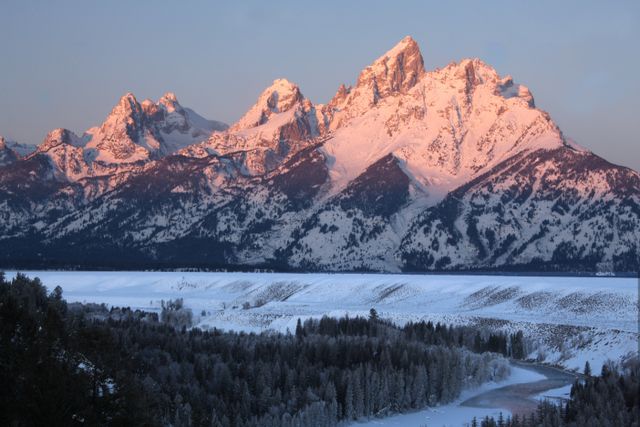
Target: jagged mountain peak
{"x":126,"y":113}
{"x":116,"y":138}
{"x":474,"y":69}
{"x":397,"y":71}
{"x":471,"y":73}
{"x":340,"y":96}
{"x":127,"y":102}
{"x":57,"y":137}
{"x":280,"y":124}
{"x":450,"y":125}
{"x":136,"y":131}
{"x":150,"y":108}
{"x":170,"y":102}
{"x":169,"y":97}
{"x":407,"y":43}
{"x":281,"y":96}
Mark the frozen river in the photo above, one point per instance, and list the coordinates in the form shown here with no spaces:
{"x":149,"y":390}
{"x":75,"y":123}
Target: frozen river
{"x":520,"y":394}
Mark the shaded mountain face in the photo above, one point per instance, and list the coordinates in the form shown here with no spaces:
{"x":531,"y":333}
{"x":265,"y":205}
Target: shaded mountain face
{"x":11,"y":151}
{"x":409,"y":169}
{"x":7,"y":155}
{"x":22,"y":150}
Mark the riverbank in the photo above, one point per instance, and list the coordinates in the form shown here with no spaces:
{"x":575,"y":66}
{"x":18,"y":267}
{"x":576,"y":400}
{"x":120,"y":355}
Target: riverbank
{"x":523,"y":398}
{"x":520,"y":394}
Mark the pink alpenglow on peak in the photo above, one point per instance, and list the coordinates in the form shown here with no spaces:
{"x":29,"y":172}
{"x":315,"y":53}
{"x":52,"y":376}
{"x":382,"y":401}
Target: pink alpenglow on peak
{"x":170,"y":102}
{"x":169,"y":97}
{"x":281,"y":123}
{"x":57,"y":137}
{"x":132,"y":134}
{"x":398,"y":70}
{"x":136,"y":132}
{"x":446,"y":125}
{"x":280,"y":97}
{"x":394,"y":73}
{"x":407,"y":169}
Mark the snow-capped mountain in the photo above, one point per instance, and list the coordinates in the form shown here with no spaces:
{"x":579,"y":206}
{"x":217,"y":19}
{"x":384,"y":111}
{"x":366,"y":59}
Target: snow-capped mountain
{"x":445,"y":126}
{"x":136,"y":131}
{"x":281,"y":123}
{"x":132,"y":134}
{"x":453,"y":168}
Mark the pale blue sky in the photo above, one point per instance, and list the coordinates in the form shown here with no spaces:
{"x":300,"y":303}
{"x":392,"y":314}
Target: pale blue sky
{"x":66,"y":63}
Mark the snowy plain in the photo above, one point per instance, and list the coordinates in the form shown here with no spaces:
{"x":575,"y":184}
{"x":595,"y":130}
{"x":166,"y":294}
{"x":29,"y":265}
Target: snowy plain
{"x":568,"y":320}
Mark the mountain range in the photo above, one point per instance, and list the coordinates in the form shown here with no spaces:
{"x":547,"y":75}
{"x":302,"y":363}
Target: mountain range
{"x":409,"y":169}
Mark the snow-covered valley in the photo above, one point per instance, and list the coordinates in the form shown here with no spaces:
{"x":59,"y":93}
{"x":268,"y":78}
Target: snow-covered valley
{"x":566,"y":320}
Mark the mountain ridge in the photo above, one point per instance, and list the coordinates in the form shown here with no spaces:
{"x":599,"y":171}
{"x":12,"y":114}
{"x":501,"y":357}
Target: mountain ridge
{"x":410,"y":169}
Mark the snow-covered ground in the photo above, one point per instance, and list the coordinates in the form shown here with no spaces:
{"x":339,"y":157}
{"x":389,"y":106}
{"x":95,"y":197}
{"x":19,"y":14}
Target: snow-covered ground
{"x":570,"y":319}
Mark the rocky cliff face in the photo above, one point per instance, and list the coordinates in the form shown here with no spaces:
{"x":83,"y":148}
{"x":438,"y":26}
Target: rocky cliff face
{"x":449,"y":169}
